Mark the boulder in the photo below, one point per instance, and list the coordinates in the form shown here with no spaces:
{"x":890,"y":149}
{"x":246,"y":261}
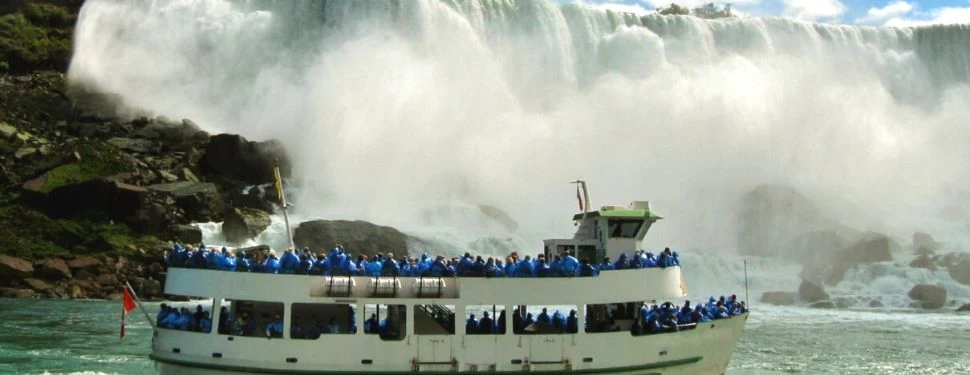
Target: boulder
{"x":773,"y":216}
{"x":187,"y":233}
{"x":24,"y":152}
{"x":16,"y":293}
{"x":142,"y":146}
{"x":810,"y":292}
{"x":7,"y":131}
{"x":928,"y":296}
{"x":88,"y":264}
{"x":779,"y":298}
{"x":965,"y":307}
{"x":926,"y":241}
{"x":878,"y":249}
{"x":233,"y":157}
{"x":822,"y":305}
{"x":37,"y":284}
{"x":55,"y":269}
{"x":243,"y":223}
{"x":875,"y":303}
{"x":175,"y":133}
{"x":923,"y":261}
{"x":357,"y":237}
{"x":107,"y":280}
{"x":13,"y":267}
{"x":117,"y":200}
{"x":960,"y":271}
{"x":200,"y":200}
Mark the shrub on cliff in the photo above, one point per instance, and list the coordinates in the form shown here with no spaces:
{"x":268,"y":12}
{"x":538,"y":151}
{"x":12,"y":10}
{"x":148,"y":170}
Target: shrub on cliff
{"x":37,"y":37}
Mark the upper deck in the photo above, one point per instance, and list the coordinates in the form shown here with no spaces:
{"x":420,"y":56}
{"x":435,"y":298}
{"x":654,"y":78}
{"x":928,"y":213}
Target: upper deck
{"x":618,"y":285}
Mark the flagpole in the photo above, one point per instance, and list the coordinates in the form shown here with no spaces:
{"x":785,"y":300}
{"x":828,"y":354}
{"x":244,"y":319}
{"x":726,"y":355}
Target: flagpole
{"x":281,"y":194}
{"x":147,"y":317}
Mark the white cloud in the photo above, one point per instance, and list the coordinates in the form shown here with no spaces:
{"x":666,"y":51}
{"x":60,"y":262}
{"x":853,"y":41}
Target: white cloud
{"x":814,"y":10}
{"x":938,"y":16}
{"x":892,"y":10}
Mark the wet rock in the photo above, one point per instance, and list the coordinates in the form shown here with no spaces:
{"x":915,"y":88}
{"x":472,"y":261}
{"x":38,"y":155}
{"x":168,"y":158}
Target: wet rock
{"x":37,"y":284}
{"x":358,"y":237}
{"x":16,"y":293}
{"x":233,"y":157}
{"x":960,"y":270}
{"x":923,"y":240}
{"x":779,"y":298}
{"x":55,"y":269}
{"x":928,"y":296}
{"x":142,"y":146}
{"x":242,"y":224}
{"x":7,"y":131}
{"x":187,"y":234}
{"x":115,"y":199}
{"x":811,"y":292}
{"x":200,"y":200}
{"x":923,"y":261}
{"x":189,"y":176}
{"x":878,"y":249}
{"x":965,"y":307}
{"x":107,"y":280}
{"x":875,"y":303}
{"x":24,"y":152}
{"x":87,"y":264}
{"x":13,"y":267}
{"x":76,"y":292}
{"x":822,"y":305}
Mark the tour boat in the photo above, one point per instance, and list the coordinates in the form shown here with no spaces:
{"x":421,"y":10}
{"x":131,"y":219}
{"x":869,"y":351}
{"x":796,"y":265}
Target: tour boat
{"x":422,"y":325}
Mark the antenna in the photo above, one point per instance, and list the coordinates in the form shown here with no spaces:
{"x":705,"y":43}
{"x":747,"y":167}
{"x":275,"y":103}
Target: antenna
{"x":746,"y":300}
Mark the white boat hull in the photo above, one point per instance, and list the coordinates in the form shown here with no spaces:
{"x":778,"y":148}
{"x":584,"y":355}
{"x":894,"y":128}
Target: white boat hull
{"x":704,"y":350}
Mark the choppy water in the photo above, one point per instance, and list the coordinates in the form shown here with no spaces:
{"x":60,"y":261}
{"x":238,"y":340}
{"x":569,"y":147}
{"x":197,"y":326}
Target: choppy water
{"x":81,"y":337}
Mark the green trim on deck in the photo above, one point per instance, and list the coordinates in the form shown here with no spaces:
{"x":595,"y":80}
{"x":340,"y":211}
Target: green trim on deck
{"x":621,"y":213}
{"x":610,"y":370}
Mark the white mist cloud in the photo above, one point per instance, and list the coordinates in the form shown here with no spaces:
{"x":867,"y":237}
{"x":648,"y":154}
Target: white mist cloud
{"x":892,"y":10}
{"x":387,"y":110}
{"x":938,"y":16}
{"x":814,"y":10}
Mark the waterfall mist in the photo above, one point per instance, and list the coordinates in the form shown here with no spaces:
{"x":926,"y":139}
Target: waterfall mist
{"x":390,"y":108}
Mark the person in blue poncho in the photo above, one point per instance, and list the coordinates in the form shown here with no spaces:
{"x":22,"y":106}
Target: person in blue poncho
{"x":491,"y":270}
{"x":543,"y":316}
{"x":471,"y":325}
{"x":213,"y":258}
{"x":572,"y":322}
{"x":621,"y":262}
{"x":525,"y":268}
{"x":606,"y":265}
{"x":370,"y":325}
{"x":542,"y":269}
{"x":558,"y":321}
{"x":205,"y":324}
{"x":528,"y":321}
{"x":198,"y":259}
{"x":586,"y":269}
{"x":242,"y":262}
{"x":510,"y":267}
{"x":272,"y":263}
{"x":275,"y":327}
{"x":289,"y":262}
{"x":570,"y":265}
{"x":438,"y":268}
{"x":555,"y":267}
{"x":389,"y":266}
{"x":486,"y":325}
{"x":305,"y":264}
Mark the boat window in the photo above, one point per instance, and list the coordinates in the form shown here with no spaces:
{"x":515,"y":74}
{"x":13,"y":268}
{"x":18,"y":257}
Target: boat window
{"x":252,"y":318}
{"x":310,"y":320}
{"x":387,"y":321}
{"x":485,"y":320}
{"x":434,"y":319}
{"x":191,"y":314}
{"x":610,"y":317}
{"x":624,"y":228}
{"x":544,"y":320}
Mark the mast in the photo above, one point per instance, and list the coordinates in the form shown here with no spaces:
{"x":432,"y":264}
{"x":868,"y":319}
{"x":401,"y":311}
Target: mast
{"x":281,"y":195}
{"x":585,"y":201}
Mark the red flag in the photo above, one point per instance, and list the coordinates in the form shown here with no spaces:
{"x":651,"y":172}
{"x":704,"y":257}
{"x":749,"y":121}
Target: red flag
{"x":127,"y":304}
{"x":579,"y":198}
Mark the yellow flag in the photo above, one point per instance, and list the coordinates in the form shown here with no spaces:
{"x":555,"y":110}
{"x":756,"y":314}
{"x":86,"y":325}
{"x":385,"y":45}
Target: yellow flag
{"x":278,"y":184}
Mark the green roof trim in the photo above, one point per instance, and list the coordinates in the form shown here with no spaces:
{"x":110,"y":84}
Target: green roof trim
{"x":621,"y":213}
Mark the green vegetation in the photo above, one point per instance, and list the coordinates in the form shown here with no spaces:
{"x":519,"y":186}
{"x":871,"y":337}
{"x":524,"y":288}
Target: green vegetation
{"x":707,"y":11}
{"x":97,"y":160}
{"x":36,"y":37}
{"x":30,"y":234}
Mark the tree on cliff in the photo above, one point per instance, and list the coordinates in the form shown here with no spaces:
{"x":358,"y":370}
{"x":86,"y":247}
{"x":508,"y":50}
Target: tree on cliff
{"x":706,"y":11}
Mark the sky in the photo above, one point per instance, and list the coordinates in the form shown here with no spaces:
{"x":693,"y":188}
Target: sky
{"x":899,"y":13}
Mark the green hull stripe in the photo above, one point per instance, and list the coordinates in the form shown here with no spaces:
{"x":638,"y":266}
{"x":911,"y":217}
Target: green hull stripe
{"x":649,"y":366}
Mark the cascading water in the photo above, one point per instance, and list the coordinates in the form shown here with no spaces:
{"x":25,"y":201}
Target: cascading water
{"x":393,"y":110}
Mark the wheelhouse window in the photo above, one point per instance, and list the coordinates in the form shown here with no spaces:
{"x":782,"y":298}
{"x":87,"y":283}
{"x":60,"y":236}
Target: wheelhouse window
{"x":310,"y":320}
{"x":624,"y":228}
{"x":610,"y":317}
